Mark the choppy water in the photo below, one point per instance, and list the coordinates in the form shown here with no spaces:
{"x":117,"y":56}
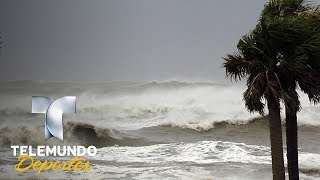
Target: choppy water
{"x":157,"y":130}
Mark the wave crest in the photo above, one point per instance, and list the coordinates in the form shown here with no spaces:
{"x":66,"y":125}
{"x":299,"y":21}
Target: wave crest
{"x":74,"y":134}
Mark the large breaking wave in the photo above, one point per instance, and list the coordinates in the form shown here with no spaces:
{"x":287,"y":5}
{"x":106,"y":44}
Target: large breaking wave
{"x":188,"y":105}
{"x":74,"y":134}
{"x":128,"y":105}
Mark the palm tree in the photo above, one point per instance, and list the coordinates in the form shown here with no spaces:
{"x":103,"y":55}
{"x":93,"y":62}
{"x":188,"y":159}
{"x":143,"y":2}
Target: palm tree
{"x":281,"y":52}
{"x":299,"y":41}
{"x":256,"y":60}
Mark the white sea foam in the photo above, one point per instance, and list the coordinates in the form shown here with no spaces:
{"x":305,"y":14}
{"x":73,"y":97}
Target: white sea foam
{"x":136,"y":105}
{"x":200,"y":160}
{"x":195,"y":106}
{"x":190,"y":107}
{"x":201,"y":153}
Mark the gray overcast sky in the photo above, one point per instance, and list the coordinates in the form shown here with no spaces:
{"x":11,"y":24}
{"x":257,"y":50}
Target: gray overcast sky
{"x":121,"y":39}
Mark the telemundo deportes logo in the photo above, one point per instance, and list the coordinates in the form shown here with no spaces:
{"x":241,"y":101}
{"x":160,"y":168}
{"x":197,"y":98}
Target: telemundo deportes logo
{"x":53,"y":125}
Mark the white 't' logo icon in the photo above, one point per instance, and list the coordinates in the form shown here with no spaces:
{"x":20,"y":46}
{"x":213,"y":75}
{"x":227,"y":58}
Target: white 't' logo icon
{"x":53,"y":111}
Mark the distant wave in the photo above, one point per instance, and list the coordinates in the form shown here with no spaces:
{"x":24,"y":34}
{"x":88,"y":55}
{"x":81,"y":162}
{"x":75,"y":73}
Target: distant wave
{"x":131,"y":106}
{"x":190,"y":105}
{"x":208,"y":125}
{"x":74,"y":134}
{"x":255,"y":123}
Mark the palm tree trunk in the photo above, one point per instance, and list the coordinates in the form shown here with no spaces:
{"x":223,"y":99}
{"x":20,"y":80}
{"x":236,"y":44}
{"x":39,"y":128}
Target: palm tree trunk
{"x":292,"y":145}
{"x":276,"y":139}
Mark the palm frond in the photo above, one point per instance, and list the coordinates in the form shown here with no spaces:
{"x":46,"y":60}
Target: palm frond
{"x":285,"y":43}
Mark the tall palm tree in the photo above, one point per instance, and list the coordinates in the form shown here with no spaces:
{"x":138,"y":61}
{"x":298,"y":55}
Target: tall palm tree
{"x":281,"y":52}
{"x":256,"y":60}
{"x":299,"y":40}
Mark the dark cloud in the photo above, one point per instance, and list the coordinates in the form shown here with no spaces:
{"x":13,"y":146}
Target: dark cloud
{"x":121,"y":40}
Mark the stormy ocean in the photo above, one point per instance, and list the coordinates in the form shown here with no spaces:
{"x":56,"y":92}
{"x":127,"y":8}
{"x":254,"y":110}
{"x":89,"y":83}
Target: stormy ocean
{"x":153,"y":130}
